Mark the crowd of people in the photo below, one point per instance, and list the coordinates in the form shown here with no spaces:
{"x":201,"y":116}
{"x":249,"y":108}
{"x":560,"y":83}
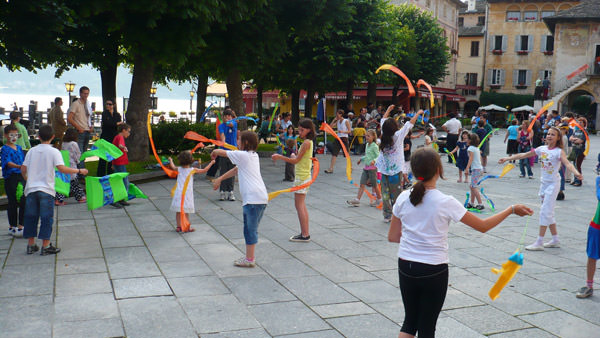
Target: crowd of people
{"x":419,"y":217}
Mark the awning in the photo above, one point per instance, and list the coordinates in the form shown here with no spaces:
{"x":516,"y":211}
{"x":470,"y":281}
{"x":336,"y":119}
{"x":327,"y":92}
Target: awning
{"x":251,"y":94}
{"x":455,"y":98}
{"x":426,"y":94}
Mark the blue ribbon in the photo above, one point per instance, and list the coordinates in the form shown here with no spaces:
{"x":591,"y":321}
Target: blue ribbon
{"x":108,"y":157}
{"x":107,"y":192}
{"x":63,"y":177}
{"x":206,"y":111}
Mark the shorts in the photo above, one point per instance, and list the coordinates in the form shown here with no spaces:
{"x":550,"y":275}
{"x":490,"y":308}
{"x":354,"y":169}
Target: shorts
{"x":548,"y":192}
{"x":475,"y":177}
{"x":298,"y":182}
{"x":370,"y":175}
{"x":593,"y":243}
{"x":485,"y":149}
{"x":252,"y":216}
{"x":335,"y":147}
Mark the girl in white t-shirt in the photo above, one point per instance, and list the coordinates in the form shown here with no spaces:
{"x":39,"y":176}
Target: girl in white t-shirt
{"x":550,"y":156}
{"x":252,"y":188}
{"x":185,"y":167}
{"x":420,"y":223}
{"x":476,"y":170}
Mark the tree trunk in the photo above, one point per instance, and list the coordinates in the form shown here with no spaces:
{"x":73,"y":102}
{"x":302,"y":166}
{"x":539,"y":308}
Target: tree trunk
{"x":349,"y":92}
{"x":295,"y":106}
{"x":108,"y":76}
{"x":235,"y":92}
{"x":259,"y":101}
{"x":201,"y":96}
{"x":395,"y":95}
{"x":137,"y":109}
{"x":310,"y":100}
{"x":371,"y":93}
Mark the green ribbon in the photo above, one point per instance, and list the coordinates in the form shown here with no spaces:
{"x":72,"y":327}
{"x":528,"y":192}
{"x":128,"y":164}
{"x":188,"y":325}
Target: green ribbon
{"x":273,"y":115}
{"x":486,"y":137}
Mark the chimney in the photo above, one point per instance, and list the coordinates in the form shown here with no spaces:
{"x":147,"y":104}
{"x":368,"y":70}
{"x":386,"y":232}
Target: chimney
{"x":471,"y":6}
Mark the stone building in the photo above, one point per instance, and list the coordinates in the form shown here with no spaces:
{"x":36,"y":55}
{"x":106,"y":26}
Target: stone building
{"x":576,"y":63}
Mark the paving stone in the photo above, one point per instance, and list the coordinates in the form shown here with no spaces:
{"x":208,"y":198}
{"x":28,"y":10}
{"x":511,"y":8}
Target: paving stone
{"x":374,"y":263}
{"x":141,"y":315}
{"x":27,"y":280}
{"x":566,"y":301}
{"x":317,"y":290}
{"x":18,"y":255}
{"x":525,"y":333}
{"x":315,"y":334}
{"x":449,"y":328}
{"x":221,"y":313}
{"x":82,"y":284}
{"x":252,"y":333}
{"x":287,"y":318}
{"x":197,"y":286}
{"x":88,"y":307}
{"x":39,"y":310}
{"x":78,"y":266}
{"x":333,"y":267}
{"x":392,"y":309}
{"x":371,"y":325}
{"x":121,"y":241}
{"x":90,"y":328}
{"x":130,"y":262}
{"x":220,"y":257}
{"x":371,"y":291}
{"x":141,"y":287}
{"x":562,"y":324}
{"x":342,"y":309}
{"x":456,"y":299}
{"x":258,"y":289}
{"x":495,"y":320}
{"x":186,"y":268}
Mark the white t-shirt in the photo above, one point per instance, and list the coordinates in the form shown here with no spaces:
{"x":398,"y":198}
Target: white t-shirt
{"x":342,"y":126}
{"x":550,"y":163}
{"x":252,"y":187}
{"x":391,"y":160}
{"x":284,"y":125}
{"x":453,"y":125}
{"x":40,"y":162}
{"x":476,"y":164}
{"x":425,"y":226}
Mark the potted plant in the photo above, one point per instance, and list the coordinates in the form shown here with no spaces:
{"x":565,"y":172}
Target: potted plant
{"x":495,"y":86}
{"x":497,"y":52}
{"x":548,"y":52}
{"x":172,"y":114}
{"x":522,"y":52}
{"x":521,"y":86}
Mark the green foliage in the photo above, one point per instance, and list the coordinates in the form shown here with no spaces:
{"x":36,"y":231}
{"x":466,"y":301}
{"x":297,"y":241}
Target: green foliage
{"x":168,"y":137}
{"x":581,"y":105}
{"x":172,"y":114}
{"x":505,"y":99}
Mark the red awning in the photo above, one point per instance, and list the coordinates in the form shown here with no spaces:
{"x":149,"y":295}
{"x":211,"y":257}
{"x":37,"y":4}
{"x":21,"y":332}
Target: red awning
{"x":455,"y":98}
{"x":427,"y":95}
{"x":251,"y":94}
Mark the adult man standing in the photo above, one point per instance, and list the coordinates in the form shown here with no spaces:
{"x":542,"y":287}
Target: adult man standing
{"x":56,"y":119}
{"x":546,"y":87}
{"x":80,"y":118}
{"x":453,"y":128}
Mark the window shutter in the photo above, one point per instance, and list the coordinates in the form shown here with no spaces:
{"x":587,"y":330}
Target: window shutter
{"x":502,"y":77}
{"x":529,"y":43}
{"x":515,"y":78}
{"x":517,"y":43}
{"x":491,"y":42}
{"x":528,"y":78}
{"x":543,"y":45}
{"x":490,"y":77}
{"x":541,"y":76}
{"x":504,"y":43}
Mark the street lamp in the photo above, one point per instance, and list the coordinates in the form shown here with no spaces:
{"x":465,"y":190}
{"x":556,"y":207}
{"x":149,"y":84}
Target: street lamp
{"x":152,"y":93}
{"x":69,"y":86}
{"x":192,"y":93}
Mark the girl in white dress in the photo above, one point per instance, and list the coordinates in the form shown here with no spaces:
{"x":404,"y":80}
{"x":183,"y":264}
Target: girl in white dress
{"x":185,"y":161}
{"x":551,"y":156}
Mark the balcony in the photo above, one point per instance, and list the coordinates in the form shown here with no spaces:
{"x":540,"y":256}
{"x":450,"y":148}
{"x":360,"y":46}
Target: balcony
{"x":549,"y":52}
{"x":522,"y":52}
{"x":497,"y":52}
{"x":495,"y":86}
{"x":521,"y":86}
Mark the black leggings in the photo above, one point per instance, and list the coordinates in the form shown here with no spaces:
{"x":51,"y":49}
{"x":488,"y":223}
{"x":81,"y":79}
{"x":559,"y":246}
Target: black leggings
{"x":423,"y":288}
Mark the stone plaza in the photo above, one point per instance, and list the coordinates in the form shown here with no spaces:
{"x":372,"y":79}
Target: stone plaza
{"x":126,"y":272}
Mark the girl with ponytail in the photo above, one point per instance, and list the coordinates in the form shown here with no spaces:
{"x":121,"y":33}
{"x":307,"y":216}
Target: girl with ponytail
{"x":420,"y":223}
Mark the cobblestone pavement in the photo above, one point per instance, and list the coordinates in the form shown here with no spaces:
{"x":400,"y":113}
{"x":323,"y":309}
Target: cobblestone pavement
{"x":128,"y":273}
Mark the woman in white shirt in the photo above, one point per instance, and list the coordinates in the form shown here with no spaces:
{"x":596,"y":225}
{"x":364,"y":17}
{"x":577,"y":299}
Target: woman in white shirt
{"x":343,"y":130}
{"x":420,"y":223}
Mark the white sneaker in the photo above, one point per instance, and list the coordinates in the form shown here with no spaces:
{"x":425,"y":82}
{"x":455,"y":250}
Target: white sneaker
{"x":353,"y":202}
{"x":535,"y":247}
{"x":18,"y":232}
{"x":375,"y":203}
{"x":552,"y":244}
{"x":231,"y":196}
{"x":12,"y":231}
{"x":223,"y":196}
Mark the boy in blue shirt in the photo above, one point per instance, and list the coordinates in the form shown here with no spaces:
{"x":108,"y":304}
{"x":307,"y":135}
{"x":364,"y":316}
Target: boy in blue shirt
{"x":12,"y":157}
{"x":229,"y":134}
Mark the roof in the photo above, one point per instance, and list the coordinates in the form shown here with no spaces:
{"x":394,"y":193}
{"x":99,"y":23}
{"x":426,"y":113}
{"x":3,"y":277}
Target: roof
{"x":524,"y":1}
{"x":586,"y":10}
{"x":471,"y":31}
{"x":479,"y":8}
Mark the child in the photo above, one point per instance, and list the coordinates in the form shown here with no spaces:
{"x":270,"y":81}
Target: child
{"x":550,"y":156}
{"x":119,"y":164}
{"x":38,"y":171}
{"x":185,"y":161}
{"x":370,"y":171}
{"x":462,"y":158}
{"x":429,"y":137}
{"x":482,"y":132}
{"x":303,"y":162}
{"x":290,"y":151}
{"x":252,"y":188}
{"x":390,"y":161}
{"x":420,"y":224}
{"x":476,"y":169}
{"x":70,"y":144}
{"x":525,"y":137}
{"x":593,"y":249}
{"x":359,"y":134}
{"x":512,"y":136}
{"x":229,"y":134}
{"x":12,"y":157}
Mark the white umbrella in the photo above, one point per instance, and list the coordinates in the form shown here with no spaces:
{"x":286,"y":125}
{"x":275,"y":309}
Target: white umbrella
{"x":492,"y":107}
{"x":522,"y":108}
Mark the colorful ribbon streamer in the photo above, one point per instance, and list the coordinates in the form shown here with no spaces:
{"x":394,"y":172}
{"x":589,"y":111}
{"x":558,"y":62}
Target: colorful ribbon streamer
{"x":508,"y":167}
{"x":451,"y":156}
{"x":537,"y":116}
{"x":192,"y":135}
{"x":273,"y":115}
{"x":246,"y":118}
{"x":422,"y":82}
{"x":327,"y":128}
{"x":171,"y":173}
{"x":395,"y":70}
{"x":301,"y":186}
{"x":206,"y":111}
{"x":587,"y":137}
{"x":183,"y":221}
{"x":486,"y":137}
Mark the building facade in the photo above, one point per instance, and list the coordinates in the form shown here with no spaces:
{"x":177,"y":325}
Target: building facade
{"x":519,"y":48}
{"x":471,"y":52}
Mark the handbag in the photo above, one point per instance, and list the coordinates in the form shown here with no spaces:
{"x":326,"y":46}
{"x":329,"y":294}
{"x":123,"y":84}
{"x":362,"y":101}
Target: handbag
{"x":572,"y":155}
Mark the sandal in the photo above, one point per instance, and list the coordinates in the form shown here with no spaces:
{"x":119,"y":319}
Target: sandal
{"x":83,"y":200}
{"x":327,"y":171}
{"x":178,"y":229}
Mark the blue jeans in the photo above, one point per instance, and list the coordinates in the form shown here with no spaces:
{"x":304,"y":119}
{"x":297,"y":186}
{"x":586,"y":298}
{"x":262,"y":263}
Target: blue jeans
{"x":523,"y":163}
{"x":39,"y":205}
{"x":122,"y":169}
{"x":562,"y":177}
{"x":83,"y":141}
{"x":252,"y":216}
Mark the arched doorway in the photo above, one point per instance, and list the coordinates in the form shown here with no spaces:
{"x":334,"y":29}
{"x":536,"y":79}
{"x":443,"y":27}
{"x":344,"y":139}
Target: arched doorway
{"x":581,"y":102}
{"x":471,"y":107}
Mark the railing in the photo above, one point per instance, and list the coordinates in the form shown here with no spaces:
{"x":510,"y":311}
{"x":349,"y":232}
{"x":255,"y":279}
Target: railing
{"x":566,"y":82}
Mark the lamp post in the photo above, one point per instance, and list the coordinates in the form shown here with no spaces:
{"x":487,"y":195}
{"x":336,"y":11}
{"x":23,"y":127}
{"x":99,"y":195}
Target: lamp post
{"x":152,"y":93}
{"x":192,"y":93}
{"x":69,"y":86}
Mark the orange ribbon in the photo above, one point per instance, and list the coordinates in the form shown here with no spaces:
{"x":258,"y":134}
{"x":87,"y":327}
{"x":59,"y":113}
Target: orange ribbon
{"x":537,"y":116}
{"x":327,"y":128}
{"x":422,"y":82}
{"x":301,"y":186}
{"x":171,"y":173}
{"x":191,"y":135}
{"x":395,"y":70}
